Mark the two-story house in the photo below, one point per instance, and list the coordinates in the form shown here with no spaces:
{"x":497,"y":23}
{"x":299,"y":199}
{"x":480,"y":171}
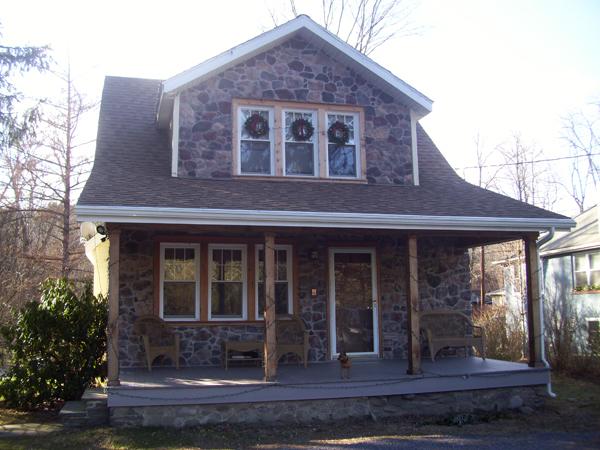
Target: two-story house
{"x":288,"y":178}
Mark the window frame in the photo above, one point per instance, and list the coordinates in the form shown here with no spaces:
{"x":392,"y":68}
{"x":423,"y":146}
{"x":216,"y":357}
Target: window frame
{"x":290,"y":279}
{"x":244,"y":250}
{"x":276,"y":124}
{"x":197,"y":306}
{"x":272,"y":146}
{"x":588,"y":269}
{"x":315,"y":142}
{"x":357,"y":142}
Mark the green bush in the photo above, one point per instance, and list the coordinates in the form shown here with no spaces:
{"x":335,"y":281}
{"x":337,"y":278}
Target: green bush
{"x":56,"y":346}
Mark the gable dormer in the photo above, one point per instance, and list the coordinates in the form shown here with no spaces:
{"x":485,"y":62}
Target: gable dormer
{"x":298,"y":73}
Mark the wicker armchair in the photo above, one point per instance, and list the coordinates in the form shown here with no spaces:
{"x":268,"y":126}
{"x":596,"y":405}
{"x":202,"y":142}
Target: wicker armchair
{"x":158,"y":339}
{"x":445,"y":328}
{"x":292,"y":337}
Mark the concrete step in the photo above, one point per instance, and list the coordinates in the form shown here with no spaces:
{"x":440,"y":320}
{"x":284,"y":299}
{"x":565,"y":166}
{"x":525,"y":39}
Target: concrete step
{"x":73,"y":414}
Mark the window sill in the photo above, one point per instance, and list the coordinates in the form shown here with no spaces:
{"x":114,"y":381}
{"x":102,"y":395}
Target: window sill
{"x":214,"y":323}
{"x":300,"y":178}
{"x":594,"y":291}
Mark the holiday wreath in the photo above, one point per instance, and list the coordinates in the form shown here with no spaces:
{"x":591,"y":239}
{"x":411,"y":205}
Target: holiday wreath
{"x":338,"y":133}
{"x":302,"y":129}
{"x":256,"y":126}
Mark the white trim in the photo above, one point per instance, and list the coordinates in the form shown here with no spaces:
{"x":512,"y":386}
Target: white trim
{"x":375,"y":294}
{"x":175,"y":138}
{"x":290,"y":278}
{"x":243,"y":248}
{"x":356,"y":143}
{"x":196,"y":247}
{"x":274,"y":37}
{"x":205,"y":216}
{"x":314,"y":141}
{"x":414,"y":118}
{"x":564,"y":251}
{"x":238,"y":146}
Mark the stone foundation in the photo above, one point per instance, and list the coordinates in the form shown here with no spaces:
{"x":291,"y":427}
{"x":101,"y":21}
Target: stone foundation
{"x":447,"y":404}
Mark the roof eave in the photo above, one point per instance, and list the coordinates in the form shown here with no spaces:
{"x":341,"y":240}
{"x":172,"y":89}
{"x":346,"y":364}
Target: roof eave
{"x":229,"y":217}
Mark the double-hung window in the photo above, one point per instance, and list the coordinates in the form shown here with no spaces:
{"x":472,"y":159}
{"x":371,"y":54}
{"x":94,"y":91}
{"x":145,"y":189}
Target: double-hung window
{"x":586,"y":270}
{"x":227,"y":282}
{"x":300,"y":142}
{"x":255,"y":141}
{"x":283,"y":281}
{"x":179,"y":284}
{"x":343,"y":160}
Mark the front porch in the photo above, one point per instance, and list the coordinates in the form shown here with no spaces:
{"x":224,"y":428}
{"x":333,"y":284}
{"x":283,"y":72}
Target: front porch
{"x":369,"y":378}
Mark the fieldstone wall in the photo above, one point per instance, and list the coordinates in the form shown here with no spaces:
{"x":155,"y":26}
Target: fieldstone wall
{"x":297,"y":71}
{"x":452,"y":405}
{"x":443,"y":280}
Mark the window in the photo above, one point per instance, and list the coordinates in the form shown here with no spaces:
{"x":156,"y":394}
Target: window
{"x":586,"y":274}
{"x":227,"y":282}
{"x":255,"y":152}
{"x":300,"y":155}
{"x":179,"y":286}
{"x":283,"y":281}
{"x":297,"y":142}
{"x":343,"y":160}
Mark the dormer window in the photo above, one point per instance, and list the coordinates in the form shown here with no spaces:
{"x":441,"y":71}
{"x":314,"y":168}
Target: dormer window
{"x":291,"y":140}
{"x":256,"y":141}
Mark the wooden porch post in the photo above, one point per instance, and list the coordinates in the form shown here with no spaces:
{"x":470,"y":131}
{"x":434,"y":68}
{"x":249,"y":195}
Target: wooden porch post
{"x":412,"y":310}
{"x":534,"y":319}
{"x":112,"y":331}
{"x":270,"y":358}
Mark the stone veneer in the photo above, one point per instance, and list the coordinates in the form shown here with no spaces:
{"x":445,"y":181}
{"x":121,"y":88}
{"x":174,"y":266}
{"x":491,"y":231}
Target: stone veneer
{"x":443,"y":280}
{"x":294,"y":71}
{"x":452,"y":405}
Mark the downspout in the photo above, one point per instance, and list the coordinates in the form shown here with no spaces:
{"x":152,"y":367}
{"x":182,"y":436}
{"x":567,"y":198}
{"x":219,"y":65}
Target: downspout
{"x":541,"y":241}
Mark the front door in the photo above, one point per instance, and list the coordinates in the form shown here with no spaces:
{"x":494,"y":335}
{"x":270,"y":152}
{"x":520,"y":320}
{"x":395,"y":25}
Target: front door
{"x":353,"y":301}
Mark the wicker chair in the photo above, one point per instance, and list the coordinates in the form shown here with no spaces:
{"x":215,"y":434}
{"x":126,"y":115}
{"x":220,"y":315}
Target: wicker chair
{"x":445,"y":328}
{"x":292,"y":337}
{"x":157,"y":338}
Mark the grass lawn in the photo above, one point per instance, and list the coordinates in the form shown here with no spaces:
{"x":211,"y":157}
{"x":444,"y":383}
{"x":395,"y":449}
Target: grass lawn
{"x":577,"y":408}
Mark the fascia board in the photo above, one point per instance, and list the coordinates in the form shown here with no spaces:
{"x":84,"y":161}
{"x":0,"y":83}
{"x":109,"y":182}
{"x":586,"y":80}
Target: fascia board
{"x":189,"y":216}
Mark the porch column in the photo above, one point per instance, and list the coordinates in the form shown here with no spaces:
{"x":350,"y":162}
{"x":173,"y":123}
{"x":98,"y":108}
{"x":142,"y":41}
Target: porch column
{"x":270,"y":358}
{"x":534,"y":319}
{"x":112,"y":331}
{"x":412,"y":310}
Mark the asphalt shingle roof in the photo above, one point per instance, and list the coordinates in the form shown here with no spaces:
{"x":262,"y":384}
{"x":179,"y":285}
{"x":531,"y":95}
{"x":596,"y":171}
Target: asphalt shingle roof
{"x":133,"y":168}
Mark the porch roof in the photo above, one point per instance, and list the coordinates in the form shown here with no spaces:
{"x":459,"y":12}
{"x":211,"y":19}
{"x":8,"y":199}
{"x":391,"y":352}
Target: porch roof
{"x":131,"y":177}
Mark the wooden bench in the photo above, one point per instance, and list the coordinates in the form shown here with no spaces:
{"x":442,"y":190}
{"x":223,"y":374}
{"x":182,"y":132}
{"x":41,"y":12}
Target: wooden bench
{"x":292,"y":337}
{"x":446,"y":328}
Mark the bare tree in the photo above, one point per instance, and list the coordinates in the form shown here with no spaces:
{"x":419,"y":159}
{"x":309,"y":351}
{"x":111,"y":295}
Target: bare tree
{"x":581,"y":131}
{"x":364,"y":24}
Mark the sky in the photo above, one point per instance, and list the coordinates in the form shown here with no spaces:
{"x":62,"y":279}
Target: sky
{"x":492,"y":68}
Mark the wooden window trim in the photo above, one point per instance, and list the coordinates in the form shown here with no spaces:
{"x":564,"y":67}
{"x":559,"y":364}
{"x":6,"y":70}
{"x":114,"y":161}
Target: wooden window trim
{"x":244,"y":250}
{"x":290,"y":279}
{"x":277,"y":108}
{"x":197,"y":303}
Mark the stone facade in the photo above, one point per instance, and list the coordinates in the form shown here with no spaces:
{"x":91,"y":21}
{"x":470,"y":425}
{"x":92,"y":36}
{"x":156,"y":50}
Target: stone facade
{"x":443,"y":279}
{"x":453,"y":405}
{"x":294,"y":71}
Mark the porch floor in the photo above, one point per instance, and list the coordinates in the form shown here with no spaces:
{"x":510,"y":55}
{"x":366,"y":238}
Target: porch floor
{"x":369,"y":377}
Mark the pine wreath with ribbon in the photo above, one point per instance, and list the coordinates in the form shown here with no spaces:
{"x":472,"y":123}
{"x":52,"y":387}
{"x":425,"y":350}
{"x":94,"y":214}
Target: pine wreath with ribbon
{"x":338,"y":133}
{"x":256,"y":126}
{"x":302,"y":129}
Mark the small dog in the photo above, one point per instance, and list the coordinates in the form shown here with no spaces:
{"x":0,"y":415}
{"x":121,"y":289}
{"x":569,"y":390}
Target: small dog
{"x":345,"y":365}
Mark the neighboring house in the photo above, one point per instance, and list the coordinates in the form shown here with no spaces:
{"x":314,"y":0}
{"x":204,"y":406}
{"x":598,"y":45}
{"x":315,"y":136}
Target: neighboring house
{"x":296,"y":143}
{"x":571,"y":265}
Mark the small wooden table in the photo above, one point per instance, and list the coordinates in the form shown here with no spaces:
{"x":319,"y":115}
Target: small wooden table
{"x":243,"y":347}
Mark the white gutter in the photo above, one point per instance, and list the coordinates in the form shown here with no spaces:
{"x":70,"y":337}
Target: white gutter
{"x":233,"y":217}
{"x":541,"y":241}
